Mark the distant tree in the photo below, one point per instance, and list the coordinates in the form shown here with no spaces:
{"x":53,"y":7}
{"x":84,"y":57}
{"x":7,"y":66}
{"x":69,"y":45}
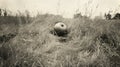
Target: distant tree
{"x":5,"y":13}
{"x":117,"y":16}
{"x":108,"y":16}
{"x":0,"y":12}
{"x":78,"y":15}
{"x":27,"y":17}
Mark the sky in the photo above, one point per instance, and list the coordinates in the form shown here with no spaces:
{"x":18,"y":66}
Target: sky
{"x":67,"y":8}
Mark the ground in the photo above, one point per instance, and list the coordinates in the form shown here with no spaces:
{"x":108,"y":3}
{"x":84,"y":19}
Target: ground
{"x":90,"y":43}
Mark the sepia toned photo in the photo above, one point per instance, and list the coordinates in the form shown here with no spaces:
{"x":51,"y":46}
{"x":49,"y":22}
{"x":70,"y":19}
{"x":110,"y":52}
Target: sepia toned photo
{"x":59,"y":33}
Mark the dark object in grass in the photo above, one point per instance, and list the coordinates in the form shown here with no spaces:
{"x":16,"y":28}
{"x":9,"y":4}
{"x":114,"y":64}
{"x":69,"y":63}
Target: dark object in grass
{"x":60,"y":29}
{"x":5,"y":50}
{"x":6,"y":38}
{"x":108,"y":39}
{"x":59,"y":33}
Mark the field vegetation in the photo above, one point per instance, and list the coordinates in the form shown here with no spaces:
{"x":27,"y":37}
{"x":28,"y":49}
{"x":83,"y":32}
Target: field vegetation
{"x":27,"y":42}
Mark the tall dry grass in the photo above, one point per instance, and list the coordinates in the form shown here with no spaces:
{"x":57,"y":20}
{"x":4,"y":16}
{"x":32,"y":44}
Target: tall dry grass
{"x":90,"y":43}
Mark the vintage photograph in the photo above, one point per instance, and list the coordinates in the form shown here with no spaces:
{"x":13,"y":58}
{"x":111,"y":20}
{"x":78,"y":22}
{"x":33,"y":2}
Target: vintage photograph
{"x":59,"y":33}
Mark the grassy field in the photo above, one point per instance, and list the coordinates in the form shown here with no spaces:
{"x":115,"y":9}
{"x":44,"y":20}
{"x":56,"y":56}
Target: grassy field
{"x":90,"y":43}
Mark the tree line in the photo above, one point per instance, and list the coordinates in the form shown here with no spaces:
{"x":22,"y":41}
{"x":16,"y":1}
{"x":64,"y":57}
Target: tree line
{"x":108,"y":16}
{"x":3,"y":12}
